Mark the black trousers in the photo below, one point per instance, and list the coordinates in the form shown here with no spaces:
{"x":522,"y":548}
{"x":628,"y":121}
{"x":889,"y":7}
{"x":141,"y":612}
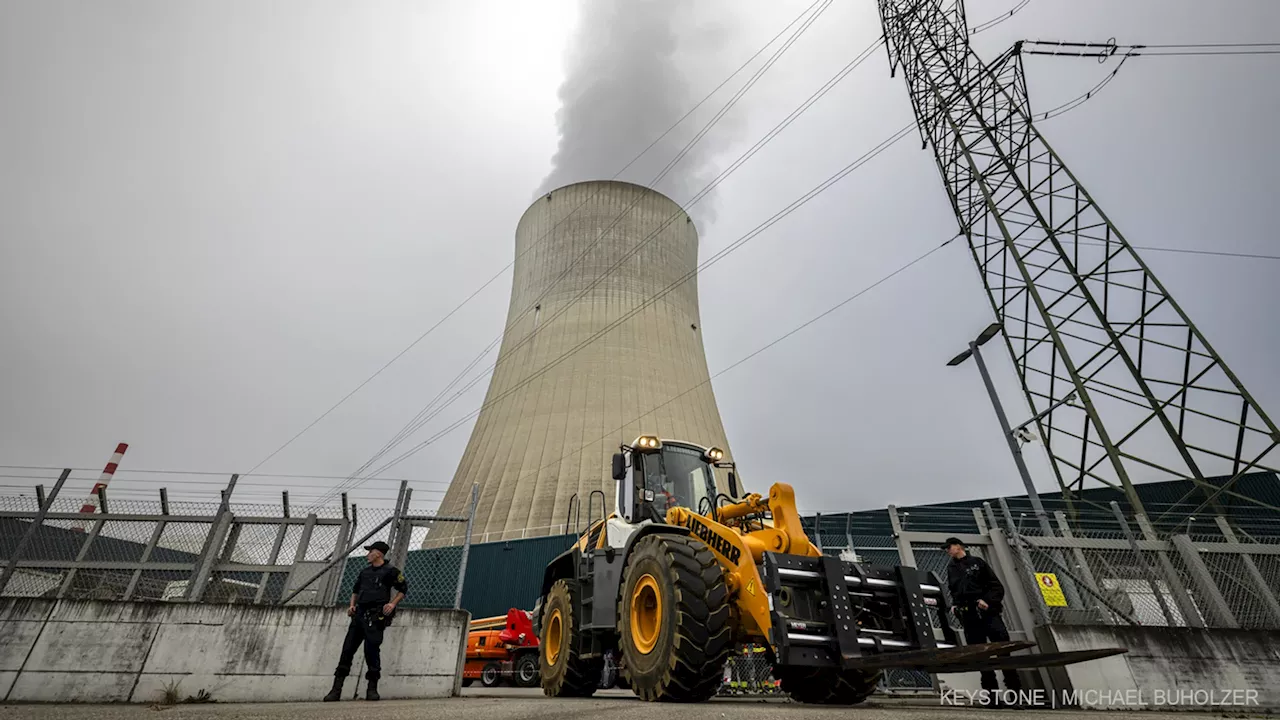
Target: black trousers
{"x":982,"y":626}
{"x":365,"y":627}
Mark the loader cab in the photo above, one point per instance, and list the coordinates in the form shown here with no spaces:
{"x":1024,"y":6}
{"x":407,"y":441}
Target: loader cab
{"x":656,"y":475}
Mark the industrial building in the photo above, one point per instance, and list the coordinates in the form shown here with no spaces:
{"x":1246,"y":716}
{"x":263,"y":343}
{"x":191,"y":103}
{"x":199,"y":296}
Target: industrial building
{"x":602,"y":343}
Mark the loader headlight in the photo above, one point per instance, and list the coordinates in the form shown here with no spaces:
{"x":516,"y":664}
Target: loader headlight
{"x":648,"y":442}
{"x":715,"y":454}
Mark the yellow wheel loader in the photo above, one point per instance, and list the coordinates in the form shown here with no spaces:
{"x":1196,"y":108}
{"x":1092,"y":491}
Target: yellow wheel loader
{"x":681,"y":572}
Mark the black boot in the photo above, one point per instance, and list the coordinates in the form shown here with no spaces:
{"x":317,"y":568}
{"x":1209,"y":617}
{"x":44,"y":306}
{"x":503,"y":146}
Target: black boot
{"x":372,"y":692}
{"x":335,"y":693}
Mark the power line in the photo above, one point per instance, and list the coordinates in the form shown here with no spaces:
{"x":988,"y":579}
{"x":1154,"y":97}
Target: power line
{"x":426,"y":413}
{"x":762,"y":349}
{"x":804,"y":106}
{"x":1188,"y":251}
{"x":737,"y":164}
{"x":503,"y":271}
{"x":1210,"y":52}
{"x":1110,"y":48}
{"x":817,"y":190}
{"x":999,"y":18}
{"x":419,"y":420}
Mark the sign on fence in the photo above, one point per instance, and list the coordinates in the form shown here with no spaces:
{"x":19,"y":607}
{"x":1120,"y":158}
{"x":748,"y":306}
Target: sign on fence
{"x":1051,"y":590}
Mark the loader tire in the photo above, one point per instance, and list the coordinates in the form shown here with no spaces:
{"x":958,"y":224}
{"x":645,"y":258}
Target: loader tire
{"x":827,"y":686}
{"x":674,"y":625}
{"x":564,"y":673}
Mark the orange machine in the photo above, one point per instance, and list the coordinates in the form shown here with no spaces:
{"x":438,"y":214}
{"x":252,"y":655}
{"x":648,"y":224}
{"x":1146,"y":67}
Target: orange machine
{"x":502,"y":649}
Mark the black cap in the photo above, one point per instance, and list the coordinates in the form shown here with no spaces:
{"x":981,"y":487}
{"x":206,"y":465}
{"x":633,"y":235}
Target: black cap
{"x":379,"y":546}
{"x":952,"y":541}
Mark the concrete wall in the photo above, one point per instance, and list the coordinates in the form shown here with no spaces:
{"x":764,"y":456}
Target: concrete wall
{"x":1165,"y":666}
{"x":91,"y":651}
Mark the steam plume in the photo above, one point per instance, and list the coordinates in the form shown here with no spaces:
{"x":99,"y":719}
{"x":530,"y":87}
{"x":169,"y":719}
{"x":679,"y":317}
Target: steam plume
{"x":627,"y":82}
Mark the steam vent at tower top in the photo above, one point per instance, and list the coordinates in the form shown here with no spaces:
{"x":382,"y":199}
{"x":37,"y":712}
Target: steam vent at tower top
{"x":602,"y":343}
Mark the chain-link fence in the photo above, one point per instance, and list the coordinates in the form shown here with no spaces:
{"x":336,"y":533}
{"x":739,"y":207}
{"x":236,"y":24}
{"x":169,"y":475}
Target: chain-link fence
{"x":1100,"y":567}
{"x":749,"y":672}
{"x":216,"y":553}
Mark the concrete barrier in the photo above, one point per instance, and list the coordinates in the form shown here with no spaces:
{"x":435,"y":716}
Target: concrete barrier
{"x":92,"y":651}
{"x":1170,"y":668}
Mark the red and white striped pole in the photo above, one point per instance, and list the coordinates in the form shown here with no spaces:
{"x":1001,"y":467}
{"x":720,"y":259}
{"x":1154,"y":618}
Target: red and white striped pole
{"x":107,"y":473}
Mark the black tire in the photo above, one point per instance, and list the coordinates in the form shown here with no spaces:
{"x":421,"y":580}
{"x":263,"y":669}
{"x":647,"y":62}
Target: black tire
{"x":681,"y":580}
{"x":466,"y":682}
{"x":491,"y":675}
{"x":526,"y":670}
{"x":563,"y":672}
{"x":827,"y":686}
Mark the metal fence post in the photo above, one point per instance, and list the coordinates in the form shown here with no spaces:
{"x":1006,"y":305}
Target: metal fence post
{"x":272,"y":558}
{"x":979,"y":521}
{"x":156,"y":533}
{"x":1142,"y":559}
{"x":1031,"y":611}
{"x":1028,"y":569}
{"x":1176,"y":587}
{"x":906,"y":554}
{"x":1218,"y":608}
{"x":70,"y":578}
{"x":1015,"y":591}
{"x":30,"y":533}
{"x":1260,"y":585}
{"x":1077,"y":554}
{"x":402,"y":533}
{"x":218,"y":529}
{"x":333,"y":583}
{"x":466,"y":545}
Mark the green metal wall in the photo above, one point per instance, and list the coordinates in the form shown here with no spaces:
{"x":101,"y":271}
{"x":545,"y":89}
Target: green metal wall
{"x":500,"y":575}
{"x":504,"y":575}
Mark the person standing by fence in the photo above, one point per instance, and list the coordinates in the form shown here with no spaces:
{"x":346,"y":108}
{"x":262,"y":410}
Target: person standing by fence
{"x":978,"y":598}
{"x":372,"y":608}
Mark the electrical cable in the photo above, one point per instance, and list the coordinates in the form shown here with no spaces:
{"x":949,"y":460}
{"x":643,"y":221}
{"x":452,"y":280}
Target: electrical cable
{"x":1082,"y":99}
{"x":999,"y":19}
{"x":737,"y":164}
{"x":1218,"y":253}
{"x":425,"y":414}
{"x":503,"y":271}
{"x":1103,"y":52}
{"x":241,"y":481}
{"x":799,"y":202}
{"x":1107,"y":49}
{"x":762,"y":349}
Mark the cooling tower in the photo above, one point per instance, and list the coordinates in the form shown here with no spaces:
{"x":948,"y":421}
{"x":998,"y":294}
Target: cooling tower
{"x":602,"y":343}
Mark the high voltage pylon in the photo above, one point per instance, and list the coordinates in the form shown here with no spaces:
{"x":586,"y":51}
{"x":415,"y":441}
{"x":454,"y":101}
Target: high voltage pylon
{"x":1129,"y":388}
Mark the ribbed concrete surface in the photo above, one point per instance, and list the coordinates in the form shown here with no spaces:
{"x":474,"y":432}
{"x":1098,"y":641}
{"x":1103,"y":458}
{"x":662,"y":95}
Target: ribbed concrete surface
{"x":578,"y":373}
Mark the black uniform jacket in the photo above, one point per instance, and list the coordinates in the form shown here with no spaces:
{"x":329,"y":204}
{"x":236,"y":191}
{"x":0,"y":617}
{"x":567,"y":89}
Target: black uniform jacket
{"x":971,"y":579}
{"x":374,"y":585}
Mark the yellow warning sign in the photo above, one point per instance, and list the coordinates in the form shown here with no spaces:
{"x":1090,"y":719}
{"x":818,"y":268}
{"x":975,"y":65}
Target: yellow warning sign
{"x":1051,"y":590}
{"x":751,"y":588}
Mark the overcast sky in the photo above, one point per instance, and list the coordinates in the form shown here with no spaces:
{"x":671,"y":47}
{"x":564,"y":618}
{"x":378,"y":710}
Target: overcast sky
{"x":217,"y":218}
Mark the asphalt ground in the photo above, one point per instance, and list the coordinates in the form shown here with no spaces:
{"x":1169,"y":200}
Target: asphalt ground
{"x":518,"y":704}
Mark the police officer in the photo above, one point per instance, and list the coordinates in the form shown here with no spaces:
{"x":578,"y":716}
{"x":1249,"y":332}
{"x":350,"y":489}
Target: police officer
{"x":978,"y":598}
{"x":372,"y":607}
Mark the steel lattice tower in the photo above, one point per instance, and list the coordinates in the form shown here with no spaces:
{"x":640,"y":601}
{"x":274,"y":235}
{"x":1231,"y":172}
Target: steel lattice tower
{"x":1130,"y":388}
